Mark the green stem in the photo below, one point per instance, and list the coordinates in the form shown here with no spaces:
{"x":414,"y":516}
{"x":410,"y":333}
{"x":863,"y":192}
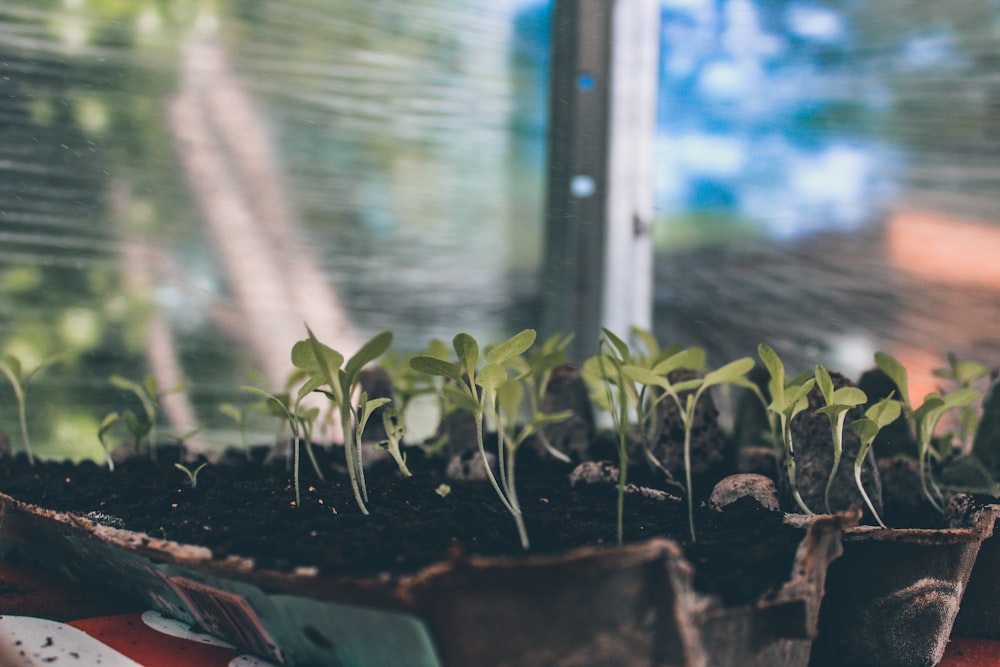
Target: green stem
{"x":622,"y":478}
{"x":349,"y":454}
{"x":924,"y":474}
{"x":790,"y":468}
{"x":295,"y":469}
{"x":22,"y":415}
{"x":486,"y":463}
{"x":512,"y":494}
{"x":687,"y":475}
{"x":833,"y":475}
{"x":864,"y":494}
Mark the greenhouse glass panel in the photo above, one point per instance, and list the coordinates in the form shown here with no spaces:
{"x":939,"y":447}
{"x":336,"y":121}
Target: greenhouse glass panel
{"x":185,"y":184}
{"x":827,"y":180}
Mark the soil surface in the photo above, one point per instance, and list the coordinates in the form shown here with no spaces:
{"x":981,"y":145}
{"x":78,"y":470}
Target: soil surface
{"x":247,"y":508}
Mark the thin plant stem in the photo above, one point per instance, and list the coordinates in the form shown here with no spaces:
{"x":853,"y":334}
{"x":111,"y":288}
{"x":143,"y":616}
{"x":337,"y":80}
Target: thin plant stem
{"x":864,"y":494}
{"x":687,"y":476}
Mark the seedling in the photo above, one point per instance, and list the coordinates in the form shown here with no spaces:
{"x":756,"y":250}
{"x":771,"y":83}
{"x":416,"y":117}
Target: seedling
{"x":477,"y":390}
{"x":324,"y":373}
{"x":877,"y":417}
{"x":300,"y":422}
{"x":149,"y":395}
{"x":964,"y":374}
{"x":13,"y":369}
{"x":137,"y":430}
{"x":442,"y":490}
{"x":838,"y":402}
{"x":686,"y":394}
{"x":239,"y":416}
{"x":786,"y":402}
{"x":192,"y":475}
{"x":392,"y":422}
{"x":535,"y":371}
{"x":925,"y":420}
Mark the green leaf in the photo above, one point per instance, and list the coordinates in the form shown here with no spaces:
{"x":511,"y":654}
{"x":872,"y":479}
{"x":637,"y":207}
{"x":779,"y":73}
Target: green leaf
{"x":491,"y":377}
{"x":648,"y":341}
{"x":619,"y":345}
{"x":825,"y":384}
{"x":688,"y":385}
{"x":884,"y":412}
{"x":960,"y":398}
{"x":313,"y":383}
{"x":438,"y":348}
{"x":776,"y":369}
{"x":461,"y":399}
{"x":866,"y":430}
{"x":513,"y":346}
{"x":729,"y":373}
{"x":125,"y":384}
{"x":509,"y":397}
{"x":467,"y":350}
{"x":369,"y":352}
{"x":644,"y":376}
{"x":896,"y":373}
{"x":850,"y":396}
{"x":693,"y":358}
{"x":232,"y":411}
{"x":151,"y":386}
{"x":434,"y":366}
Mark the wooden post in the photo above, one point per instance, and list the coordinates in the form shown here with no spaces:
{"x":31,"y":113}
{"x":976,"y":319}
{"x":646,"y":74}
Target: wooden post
{"x":598,"y":255}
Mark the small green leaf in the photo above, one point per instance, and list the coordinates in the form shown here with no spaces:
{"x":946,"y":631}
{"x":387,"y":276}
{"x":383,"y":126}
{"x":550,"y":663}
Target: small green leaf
{"x":776,"y":369}
{"x":491,"y":377}
{"x":435,"y":366}
{"x":884,"y":412}
{"x":151,"y":386}
{"x":619,"y":345}
{"x":517,"y":344}
{"x":693,"y":358}
{"x":369,"y":352}
{"x":865,"y":428}
{"x":13,"y":365}
{"x":461,"y":399}
{"x":467,"y":350}
{"x":644,"y":376}
{"x":850,"y":396}
{"x":825,"y":384}
{"x":730,"y":372}
{"x":896,"y":373}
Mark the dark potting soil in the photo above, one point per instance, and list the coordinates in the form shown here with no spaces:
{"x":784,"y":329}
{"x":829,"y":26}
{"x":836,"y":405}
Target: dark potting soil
{"x":248,"y":509}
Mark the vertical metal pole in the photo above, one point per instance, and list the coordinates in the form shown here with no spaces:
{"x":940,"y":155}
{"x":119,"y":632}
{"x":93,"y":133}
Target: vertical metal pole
{"x":598,"y":256}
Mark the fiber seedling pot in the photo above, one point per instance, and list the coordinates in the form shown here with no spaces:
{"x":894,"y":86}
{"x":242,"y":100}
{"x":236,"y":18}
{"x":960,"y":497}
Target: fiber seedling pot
{"x":631,"y":606}
{"x":979,"y":615}
{"x":892,"y":598}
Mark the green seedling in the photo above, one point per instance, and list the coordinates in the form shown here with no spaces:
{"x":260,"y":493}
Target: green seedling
{"x":322,"y":365}
{"x":408,"y":384}
{"x":623,"y":395}
{"x":964,"y":374}
{"x":925,"y":420}
{"x":395,"y":429}
{"x":19,"y":379}
{"x":136,"y":428}
{"x":838,"y":402}
{"x":478,"y":390}
{"x":239,"y":416}
{"x":192,"y":475}
{"x":534,"y":371}
{"x":686,"y":394}
{"x":877,"y":417}
{"x":787,"y":400}
{"x":149,"y":394}
{"x":299,"y":420}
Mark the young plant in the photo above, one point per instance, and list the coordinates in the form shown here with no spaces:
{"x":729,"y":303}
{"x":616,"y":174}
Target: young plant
{"x":838,"y":402}
{"x":477,"y":390}
{"x":327,"y":372}
{"x":534,"y":371}
{"x":925,"y":420}
{"x":239,"y":416}
{"x":149,"y":395}
{"x":392,"y":422}
{"x":964,"y":374}
{"x":192,"y":475}
{"x":877,"y":417}
{"x":299,"y":420}
{"x":19,"y":379}
{"x":686,"y":394}
{"x":787,"y":400}
{"x":137,"y":430}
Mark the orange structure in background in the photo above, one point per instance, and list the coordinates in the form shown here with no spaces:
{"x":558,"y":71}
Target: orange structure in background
{"x":942,"y":251}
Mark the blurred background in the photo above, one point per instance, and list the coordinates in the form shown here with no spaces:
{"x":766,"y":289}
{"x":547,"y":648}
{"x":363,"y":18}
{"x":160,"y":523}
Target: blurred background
{"x":183,"y":183}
